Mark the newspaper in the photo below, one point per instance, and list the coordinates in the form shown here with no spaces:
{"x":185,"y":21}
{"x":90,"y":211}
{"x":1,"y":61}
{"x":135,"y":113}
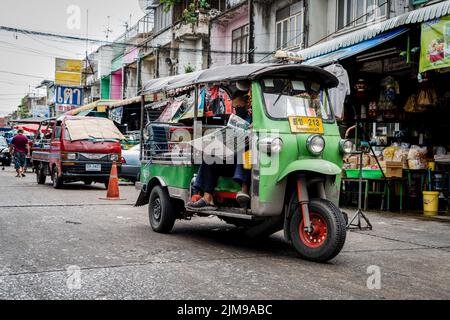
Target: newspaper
{"x":224,"y":142}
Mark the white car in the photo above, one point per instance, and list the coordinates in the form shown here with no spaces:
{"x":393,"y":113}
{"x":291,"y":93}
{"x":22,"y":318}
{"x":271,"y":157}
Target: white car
{"x":131,"y":164}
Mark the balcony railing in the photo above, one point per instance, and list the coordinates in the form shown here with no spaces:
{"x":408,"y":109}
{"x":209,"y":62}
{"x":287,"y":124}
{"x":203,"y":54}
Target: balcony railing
{"x":141,"y":29}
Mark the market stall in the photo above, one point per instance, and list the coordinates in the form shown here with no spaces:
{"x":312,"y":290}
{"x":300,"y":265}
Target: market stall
{"x":395,"y":98}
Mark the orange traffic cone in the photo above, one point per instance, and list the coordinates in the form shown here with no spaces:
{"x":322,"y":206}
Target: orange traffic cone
{"x":113,"y":186}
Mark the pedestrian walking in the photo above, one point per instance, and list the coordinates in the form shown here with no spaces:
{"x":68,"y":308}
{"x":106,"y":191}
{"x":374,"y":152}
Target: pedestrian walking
{"x":19,"y":149}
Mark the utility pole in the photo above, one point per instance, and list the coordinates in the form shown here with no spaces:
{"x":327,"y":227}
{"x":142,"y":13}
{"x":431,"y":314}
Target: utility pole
{"x":87,"y":44}
{"x":251,"y":32}
{"x":108,"y":30}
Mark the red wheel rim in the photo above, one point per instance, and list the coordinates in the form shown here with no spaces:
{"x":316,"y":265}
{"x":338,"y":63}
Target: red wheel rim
{"x":318,"y":237}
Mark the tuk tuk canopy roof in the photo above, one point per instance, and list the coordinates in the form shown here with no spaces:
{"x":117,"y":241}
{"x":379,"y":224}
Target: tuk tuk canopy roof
{"x":240,"y":72}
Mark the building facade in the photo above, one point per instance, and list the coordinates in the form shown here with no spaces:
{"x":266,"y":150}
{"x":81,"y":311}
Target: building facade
{"x":192,"y":36}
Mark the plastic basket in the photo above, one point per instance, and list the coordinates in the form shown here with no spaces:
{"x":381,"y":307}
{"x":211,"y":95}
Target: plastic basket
{"x":367,"y":174}
{"x":352,"y":173}
{"x":372,"y":174}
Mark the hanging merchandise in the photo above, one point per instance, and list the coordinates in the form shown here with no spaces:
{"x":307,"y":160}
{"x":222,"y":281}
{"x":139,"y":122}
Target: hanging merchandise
{"x":373,"y":110}
{"x":412,"y":105}
{"x":389,"y":92}
{"x":338,"y":94}
{"x":363,"y":112}
{"x":427,"y":97}
{"x":361,"y":89}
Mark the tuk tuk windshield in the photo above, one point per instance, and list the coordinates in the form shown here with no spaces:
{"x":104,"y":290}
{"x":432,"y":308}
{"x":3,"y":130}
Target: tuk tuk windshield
{"x":286,"y":98}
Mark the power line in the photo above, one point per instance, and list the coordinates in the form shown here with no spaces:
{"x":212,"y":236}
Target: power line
{"x":22,"y":74}
{"x":22,"y":52}
{"x":46,"y":44}
{"x":124,"y":44}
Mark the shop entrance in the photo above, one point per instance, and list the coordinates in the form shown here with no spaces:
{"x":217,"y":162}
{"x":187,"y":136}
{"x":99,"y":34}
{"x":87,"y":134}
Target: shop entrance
{"x":404,"y":116}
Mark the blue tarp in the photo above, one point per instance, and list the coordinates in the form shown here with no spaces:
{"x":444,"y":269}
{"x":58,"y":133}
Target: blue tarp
{"x":353,"y":50}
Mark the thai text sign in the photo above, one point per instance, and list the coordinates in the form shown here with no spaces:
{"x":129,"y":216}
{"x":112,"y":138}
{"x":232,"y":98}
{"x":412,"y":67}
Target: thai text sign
{"x":68,"y":98}
{"x":68,"y":72}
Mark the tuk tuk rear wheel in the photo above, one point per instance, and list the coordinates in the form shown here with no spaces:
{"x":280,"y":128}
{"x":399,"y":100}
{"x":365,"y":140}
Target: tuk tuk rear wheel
{"x":328,"y":237}
{"x":40,"y":174}
{"x":161,"y":211}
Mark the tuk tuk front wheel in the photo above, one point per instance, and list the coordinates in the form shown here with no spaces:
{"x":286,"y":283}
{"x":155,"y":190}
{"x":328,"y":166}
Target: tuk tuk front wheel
{"x":160,"y":211}
{"x":58,"y":182}
{"x":329,"y":231}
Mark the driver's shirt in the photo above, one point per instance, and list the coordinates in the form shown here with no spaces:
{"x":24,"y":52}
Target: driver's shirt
{"x":20,"y":143}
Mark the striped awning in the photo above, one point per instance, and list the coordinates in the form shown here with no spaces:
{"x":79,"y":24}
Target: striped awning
{"x":428,"y":13}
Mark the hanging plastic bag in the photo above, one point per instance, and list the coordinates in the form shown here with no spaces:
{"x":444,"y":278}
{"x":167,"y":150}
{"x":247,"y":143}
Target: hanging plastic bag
{"x":427,"y":98}
{"x":411,"y":105}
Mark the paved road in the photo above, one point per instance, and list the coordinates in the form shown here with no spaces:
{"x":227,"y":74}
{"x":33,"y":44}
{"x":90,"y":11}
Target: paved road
{"x":46,"y":234}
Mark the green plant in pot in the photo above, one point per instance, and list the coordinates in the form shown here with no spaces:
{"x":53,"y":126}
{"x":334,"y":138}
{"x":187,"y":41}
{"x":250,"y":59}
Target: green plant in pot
{"x":190,"y":14}
{"x":203,"y":5}
{"x":189,"y":68}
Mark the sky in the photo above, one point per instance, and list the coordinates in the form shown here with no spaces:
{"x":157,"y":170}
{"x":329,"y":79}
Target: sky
{"x":35,"y":56}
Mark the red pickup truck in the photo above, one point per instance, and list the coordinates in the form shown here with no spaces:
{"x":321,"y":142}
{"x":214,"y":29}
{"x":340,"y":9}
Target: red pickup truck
{"x":70,"y":149}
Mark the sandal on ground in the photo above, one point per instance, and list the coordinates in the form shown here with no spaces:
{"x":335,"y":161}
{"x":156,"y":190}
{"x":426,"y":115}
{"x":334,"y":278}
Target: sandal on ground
{"x":201,"y":205}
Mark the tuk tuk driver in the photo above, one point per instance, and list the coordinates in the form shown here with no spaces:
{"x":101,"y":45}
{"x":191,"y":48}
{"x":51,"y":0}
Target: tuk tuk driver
{"x":207,"y":177}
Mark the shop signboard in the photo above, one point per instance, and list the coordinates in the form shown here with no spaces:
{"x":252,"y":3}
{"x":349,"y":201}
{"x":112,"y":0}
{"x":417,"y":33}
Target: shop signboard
{"x":40,"y":111}
{"x":68,"y":98}
{"x":435,"y":44}
{"x":68,"y":72}
{"x":116,"y":115}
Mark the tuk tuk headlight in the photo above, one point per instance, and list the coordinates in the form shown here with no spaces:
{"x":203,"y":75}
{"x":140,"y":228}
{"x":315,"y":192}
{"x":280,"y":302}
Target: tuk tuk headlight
{"x":315,"y":144}
{"x":270,"y":145}
{"x":114,"y":157}
{"x":346,"y":146}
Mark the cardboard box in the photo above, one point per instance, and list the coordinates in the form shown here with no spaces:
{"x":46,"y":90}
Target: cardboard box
{"x":392,"y":169}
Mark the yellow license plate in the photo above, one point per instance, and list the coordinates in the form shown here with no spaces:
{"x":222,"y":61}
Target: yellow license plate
{"x":306,"y":125}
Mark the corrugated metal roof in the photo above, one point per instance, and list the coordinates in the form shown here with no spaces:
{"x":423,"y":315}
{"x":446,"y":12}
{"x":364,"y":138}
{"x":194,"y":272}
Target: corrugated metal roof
{"x":416,"y":16}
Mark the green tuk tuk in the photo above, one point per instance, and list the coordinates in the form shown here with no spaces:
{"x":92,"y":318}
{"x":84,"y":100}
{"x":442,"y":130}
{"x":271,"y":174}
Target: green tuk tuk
{"x":293,"y":146}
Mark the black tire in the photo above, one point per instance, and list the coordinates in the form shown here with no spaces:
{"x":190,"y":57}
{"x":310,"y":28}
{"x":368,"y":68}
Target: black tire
{"x":161,"y":211}
{"x":58,"y":182}
{"x":330,"y":234}
{"x":40,"y":174}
